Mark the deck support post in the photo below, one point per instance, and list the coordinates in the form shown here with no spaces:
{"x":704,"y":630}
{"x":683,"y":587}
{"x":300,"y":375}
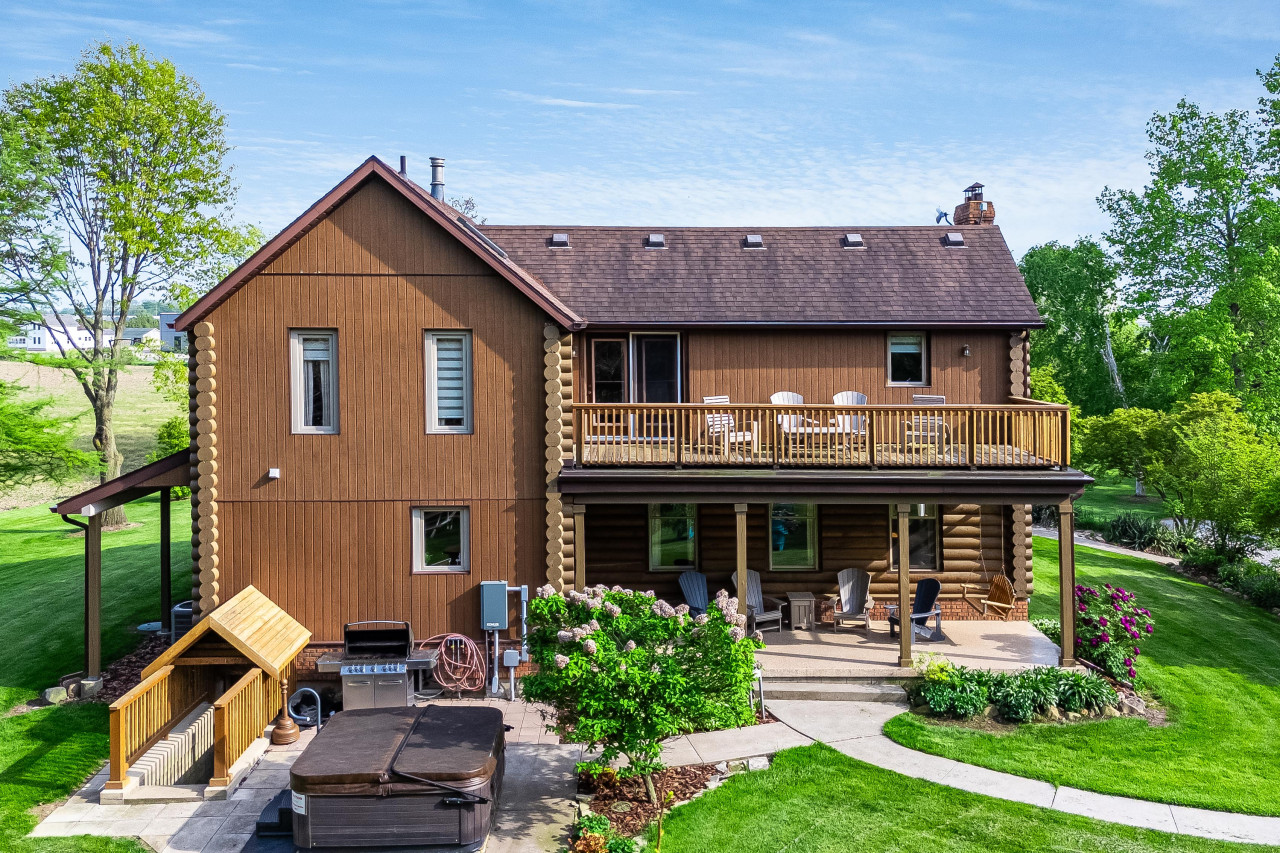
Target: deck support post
{"x":1067,"y":581}
{"x":579,"y":545}
{"x":740,"y":511}
{"x":905,"y":626}
{"x":166,"y":567}
{"x":93,"y":597}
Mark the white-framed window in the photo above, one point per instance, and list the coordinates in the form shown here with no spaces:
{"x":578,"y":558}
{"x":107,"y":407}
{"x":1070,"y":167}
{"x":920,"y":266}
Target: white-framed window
{"x":673,"y":537}
{"x":313,"y":358}
{"x":793,"y":537}
{"x":908,"y":359}
{"x":441,"y":539}
{"x":448,"y":382}
{"x":922,"y":533}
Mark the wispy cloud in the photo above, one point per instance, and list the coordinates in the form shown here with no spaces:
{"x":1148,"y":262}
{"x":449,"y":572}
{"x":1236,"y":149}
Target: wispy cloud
{"x":249,"y":66}
{"x":548,"y":101}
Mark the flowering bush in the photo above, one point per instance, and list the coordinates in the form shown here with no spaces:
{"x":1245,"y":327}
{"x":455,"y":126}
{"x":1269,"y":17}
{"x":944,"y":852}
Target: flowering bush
{"x":1109,"y":627}
{"x":624,"y":670}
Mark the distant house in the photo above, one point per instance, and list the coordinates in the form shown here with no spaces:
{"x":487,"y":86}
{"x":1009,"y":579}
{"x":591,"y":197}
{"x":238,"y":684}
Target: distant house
{"x":138,"y":337}
{"x":170,"y":339}
{"x":55,"y":334}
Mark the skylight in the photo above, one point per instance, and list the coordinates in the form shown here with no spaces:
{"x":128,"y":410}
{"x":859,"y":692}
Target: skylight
{"x":853,"y":241}
{"x":655,"y":241}
{"x":753,"y":241}
{"x":953,"y":238}
{"x":559,"y":241}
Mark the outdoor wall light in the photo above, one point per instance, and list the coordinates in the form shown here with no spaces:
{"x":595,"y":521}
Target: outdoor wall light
{"x":273,"y":473}
{"x":964,"y":350}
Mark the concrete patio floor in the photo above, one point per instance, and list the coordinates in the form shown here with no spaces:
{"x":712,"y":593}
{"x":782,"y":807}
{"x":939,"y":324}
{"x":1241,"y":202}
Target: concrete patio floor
{"x":858,"y":654}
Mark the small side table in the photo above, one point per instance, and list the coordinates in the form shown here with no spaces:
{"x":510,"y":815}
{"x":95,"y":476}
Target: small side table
{"x":801,"y":606}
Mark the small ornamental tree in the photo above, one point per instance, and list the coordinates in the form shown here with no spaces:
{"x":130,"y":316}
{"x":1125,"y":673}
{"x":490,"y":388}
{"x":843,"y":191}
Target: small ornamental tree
{"x":624,"y":670}
{"x":1109,"y":627}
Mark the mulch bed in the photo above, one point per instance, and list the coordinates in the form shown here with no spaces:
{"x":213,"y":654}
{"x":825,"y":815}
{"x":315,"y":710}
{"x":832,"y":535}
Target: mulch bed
{"x":123,"y":675}
{"x":624,"y":800}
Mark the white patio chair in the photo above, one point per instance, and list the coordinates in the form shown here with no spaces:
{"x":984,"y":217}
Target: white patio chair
{"x":722,"y":427}
{"x":850,"y":423}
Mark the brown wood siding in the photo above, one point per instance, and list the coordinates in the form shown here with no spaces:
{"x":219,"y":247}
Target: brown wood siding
{"x":850,"y":536}
{"x":329,"y":541}
{"x":330,"y":562}
{"x":749,"y":366}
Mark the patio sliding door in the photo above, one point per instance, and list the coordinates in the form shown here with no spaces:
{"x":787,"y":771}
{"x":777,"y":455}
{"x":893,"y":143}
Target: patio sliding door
{"x":638,"y":367}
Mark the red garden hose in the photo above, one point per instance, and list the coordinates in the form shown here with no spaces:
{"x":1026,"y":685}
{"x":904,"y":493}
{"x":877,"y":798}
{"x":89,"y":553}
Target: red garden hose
{"x":460,"y":667}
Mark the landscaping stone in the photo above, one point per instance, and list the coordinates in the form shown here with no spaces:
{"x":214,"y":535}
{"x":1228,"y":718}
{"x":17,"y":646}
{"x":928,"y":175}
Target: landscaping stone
{"x":1133,"y":705}
{"x":758,"y":763}
{"x":55,"y":695}
{"x":1053,"y":714}
{"x":1110,"y":711}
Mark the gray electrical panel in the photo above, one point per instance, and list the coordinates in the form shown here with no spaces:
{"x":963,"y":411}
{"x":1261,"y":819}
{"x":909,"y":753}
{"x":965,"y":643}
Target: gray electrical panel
{"x":494,"y":609}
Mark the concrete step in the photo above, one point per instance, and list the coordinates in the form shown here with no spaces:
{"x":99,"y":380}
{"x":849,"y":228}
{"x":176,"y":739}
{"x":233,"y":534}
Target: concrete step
{"x":834,"y":691}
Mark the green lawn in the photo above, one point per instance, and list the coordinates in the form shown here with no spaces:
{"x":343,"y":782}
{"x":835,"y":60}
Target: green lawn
{"x":815,"y":800}
{"x":1214,"y":662}
{"x":1109,"y":498}
{"x":45,"y":754}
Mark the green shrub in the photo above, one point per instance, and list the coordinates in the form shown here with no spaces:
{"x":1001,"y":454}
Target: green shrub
{"x":623,"y":671}
{"x":1259,"y":583}
{"x":957,"y":691}
{"x":1051,"y":628}
{"x":1088,"y":518}
{"x":593,"y":823}
{"x":621,"y":844}
{"x":172,"y":436}
{"x":1109,"y":626}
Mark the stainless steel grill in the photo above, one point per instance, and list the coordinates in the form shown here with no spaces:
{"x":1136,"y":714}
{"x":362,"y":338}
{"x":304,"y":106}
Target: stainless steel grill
{"x":378,"y":664}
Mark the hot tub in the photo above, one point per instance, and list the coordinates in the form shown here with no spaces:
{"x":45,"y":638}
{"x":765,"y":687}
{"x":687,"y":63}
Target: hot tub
{"x":426,"y":778}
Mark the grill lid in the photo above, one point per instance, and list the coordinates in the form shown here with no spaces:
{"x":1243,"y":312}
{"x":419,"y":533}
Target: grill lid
{"x":377,"y":639}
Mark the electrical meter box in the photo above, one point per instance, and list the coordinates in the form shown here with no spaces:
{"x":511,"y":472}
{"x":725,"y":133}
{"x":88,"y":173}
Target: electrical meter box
{"x":494,"y":609}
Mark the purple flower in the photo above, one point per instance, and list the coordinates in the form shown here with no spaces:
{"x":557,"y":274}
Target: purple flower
{"x":589,"y":647}
{"x":736,"y":634}
{"x":1136,"y":651}
{"x":1106,"y":638}
{"x":1128,"y":661}
{"x":1084,"y":608}
{"x":1094,"y":641}
{"x":630,"y":646}
{"x":1133,"y":673}
{"x":1102,"y":621}
{"x":561,"y":661}
{"x":564,"y":636}
{"x":1150,"y":628}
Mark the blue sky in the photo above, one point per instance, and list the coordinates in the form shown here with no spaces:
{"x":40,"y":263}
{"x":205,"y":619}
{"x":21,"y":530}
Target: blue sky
{"x":752,"y":113}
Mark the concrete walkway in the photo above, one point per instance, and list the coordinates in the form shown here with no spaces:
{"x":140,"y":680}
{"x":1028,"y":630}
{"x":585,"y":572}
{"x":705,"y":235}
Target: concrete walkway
{"x":856,"y":729}
{"x":1089,"y":542}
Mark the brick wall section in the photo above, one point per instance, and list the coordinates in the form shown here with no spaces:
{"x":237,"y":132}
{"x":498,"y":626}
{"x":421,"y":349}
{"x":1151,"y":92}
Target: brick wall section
{"x":961,"y":611}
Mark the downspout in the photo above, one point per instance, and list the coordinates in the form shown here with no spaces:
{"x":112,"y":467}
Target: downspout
{"x":84,"y":528}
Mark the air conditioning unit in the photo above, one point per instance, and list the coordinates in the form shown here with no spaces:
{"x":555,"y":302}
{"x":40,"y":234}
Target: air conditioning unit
{"x":180,"y":620}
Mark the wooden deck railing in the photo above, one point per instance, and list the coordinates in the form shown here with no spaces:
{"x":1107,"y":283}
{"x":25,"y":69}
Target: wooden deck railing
{"x":1027,"y":435}
{"x":148,"y":712}
{"x":239,"y":717}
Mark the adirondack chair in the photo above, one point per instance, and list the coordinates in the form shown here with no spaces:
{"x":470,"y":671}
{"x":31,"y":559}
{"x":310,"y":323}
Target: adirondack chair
{"x":850,"y":423}
{"x":922,"y":607}
{"x":1000,"y":598}
{"x":854,"y":584}
{"x":925,"y":429}
{"x":694,"y":587}
{"x":756,"y":603}
{"x":722,"y":427}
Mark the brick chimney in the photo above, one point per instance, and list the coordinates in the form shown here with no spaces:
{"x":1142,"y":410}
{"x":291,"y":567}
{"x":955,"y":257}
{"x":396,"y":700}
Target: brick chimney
{"x":974,"y":211}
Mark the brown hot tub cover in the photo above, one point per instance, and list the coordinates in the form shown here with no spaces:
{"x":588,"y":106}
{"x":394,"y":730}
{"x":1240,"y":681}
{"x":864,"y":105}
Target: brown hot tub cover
{"x":385,"y":751}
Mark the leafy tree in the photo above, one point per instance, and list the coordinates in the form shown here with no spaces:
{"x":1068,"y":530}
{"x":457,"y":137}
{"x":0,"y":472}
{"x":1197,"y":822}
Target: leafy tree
{"x":1077,"y":290}
{"x":1193,"y":248}
{"x":143,"y":321}
{"x":172,"y":436}
{"x":1205,"y":459}
{"x":35,"y":445}
{"x":130,"y":189}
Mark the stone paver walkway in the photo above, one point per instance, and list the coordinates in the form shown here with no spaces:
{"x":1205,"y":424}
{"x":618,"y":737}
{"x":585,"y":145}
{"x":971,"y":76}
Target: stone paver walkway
{"x":534,"y":817}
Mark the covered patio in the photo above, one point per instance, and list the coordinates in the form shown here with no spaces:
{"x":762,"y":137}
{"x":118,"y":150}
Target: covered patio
{"x":160,"y":476}
{"x":864,"y":655}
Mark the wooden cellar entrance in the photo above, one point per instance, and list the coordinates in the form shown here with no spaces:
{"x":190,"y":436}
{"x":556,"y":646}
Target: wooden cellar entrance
{"x":206,"y":700}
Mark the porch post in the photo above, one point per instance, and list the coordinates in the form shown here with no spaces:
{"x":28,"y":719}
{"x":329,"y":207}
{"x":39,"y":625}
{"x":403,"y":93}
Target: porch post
{"x":1067,"y":580}
{"x":905,"y":625}
{"x":93,"y":597}
{"x":579,"y":546}
{"x":166,"y":578}
{"x":741,"y":512}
